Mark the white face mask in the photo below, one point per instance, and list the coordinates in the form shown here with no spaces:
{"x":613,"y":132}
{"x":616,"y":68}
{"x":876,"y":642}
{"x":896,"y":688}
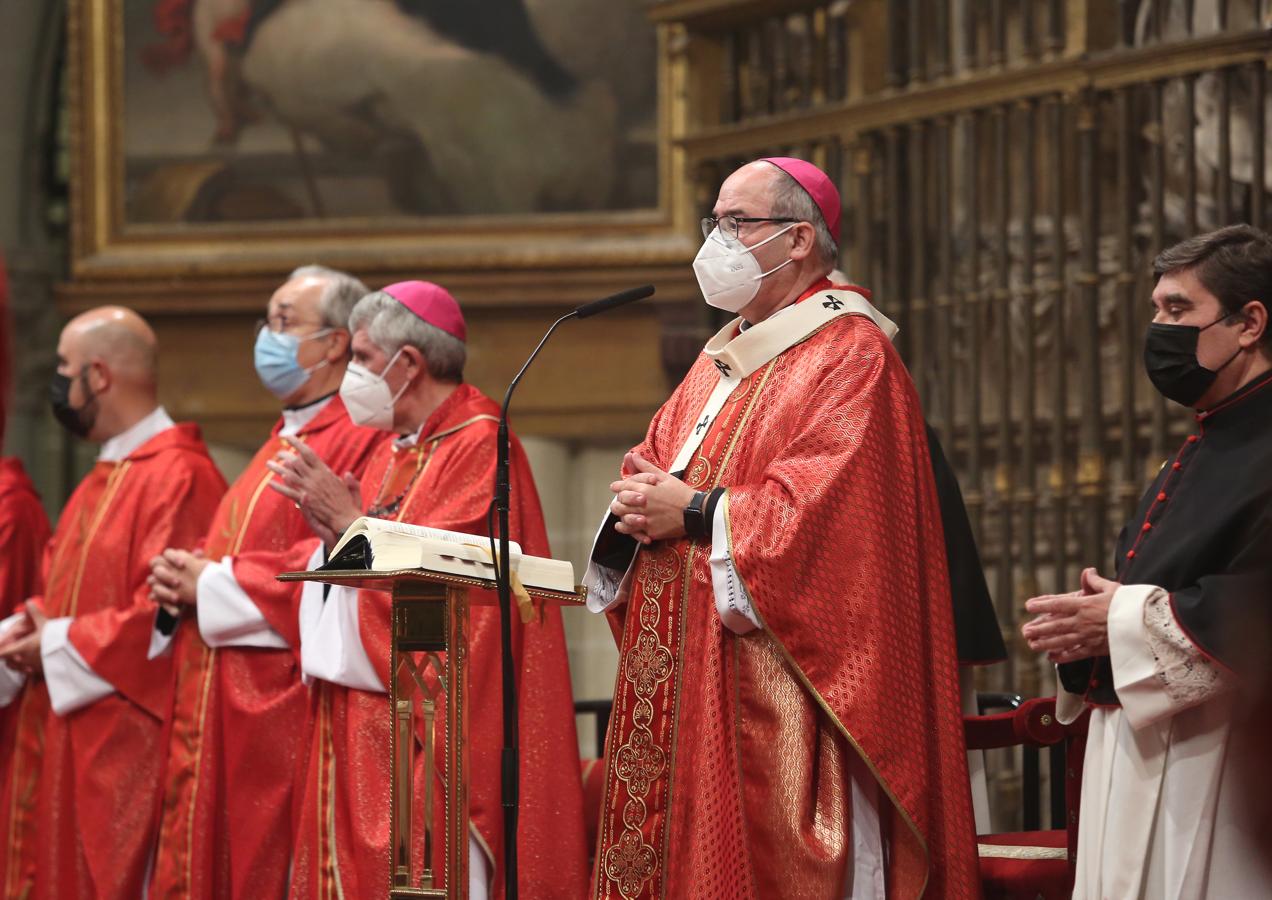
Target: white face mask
{"x":367,"y":396}
{"x":728,"y":272}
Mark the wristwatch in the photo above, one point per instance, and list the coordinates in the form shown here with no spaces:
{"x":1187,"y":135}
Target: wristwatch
{"x":695,"y":520}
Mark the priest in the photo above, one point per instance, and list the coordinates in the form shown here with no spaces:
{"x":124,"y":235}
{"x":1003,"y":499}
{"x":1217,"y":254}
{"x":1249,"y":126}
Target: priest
{"x":407,"y":376}
{"x":24,"y":530}
{"x":238,"y":730}
{"x":786,"y":717}
{"x":24,"y":527}
{"x":1153,"y":651}
{"x":77,"y":808}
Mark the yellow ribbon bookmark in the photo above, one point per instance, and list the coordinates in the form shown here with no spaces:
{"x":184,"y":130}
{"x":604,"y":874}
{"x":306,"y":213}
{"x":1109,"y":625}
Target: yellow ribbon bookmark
{"x":525,"y":606}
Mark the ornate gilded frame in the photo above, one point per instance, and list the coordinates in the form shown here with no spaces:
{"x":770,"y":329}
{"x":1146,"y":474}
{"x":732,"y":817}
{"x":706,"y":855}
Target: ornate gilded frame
{"x":108,"y":252}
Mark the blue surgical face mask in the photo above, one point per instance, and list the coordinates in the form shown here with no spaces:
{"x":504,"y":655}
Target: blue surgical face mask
{"x":276,"y":363}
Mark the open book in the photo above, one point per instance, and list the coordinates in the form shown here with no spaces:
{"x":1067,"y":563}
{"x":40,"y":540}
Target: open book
{"x":384,"y":546}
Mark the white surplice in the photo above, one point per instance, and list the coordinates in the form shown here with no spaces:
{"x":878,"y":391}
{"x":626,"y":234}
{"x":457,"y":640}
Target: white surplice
{"x":1159,"y":817}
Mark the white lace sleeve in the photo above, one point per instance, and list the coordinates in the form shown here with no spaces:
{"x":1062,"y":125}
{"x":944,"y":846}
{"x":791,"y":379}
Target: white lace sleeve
{"x":1157,"y":670}
{"x":606,"y":588}
{"x":1183,"y":671}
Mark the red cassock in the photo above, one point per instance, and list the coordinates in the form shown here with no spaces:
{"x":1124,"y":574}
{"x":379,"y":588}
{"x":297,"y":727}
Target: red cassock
{"x":445,"y":481}
{"x":238,"y":730}
{"x":78,"y":809}
{"x":730,"y":755}
{"x":24,"y":529}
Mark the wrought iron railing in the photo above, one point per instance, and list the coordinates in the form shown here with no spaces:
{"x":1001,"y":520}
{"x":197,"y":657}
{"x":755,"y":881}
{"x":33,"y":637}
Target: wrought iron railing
{"x":1009,"y":170}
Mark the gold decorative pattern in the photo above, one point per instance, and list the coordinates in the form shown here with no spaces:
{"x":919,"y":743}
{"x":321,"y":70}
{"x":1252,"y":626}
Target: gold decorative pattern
{"x":108,"y":496}
{"x":632,"y":861}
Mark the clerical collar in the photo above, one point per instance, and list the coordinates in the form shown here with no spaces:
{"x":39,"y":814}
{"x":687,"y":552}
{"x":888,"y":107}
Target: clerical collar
{"x":434,"y":422}
{"x":816,"y":287}
{"x":297,"y":417}
{"x":1245,"y":411}
{"x":744,"y":324}
{"x":121,"y":445}
{"x":407,"y":441}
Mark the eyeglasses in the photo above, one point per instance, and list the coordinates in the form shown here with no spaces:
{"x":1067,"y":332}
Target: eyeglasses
{"x":281,"y":326}
{"x":730,"y":226}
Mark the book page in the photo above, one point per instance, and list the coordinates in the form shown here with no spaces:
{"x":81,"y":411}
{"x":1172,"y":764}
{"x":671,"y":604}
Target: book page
{"x":398,"y":545}
{"x":371,"y":527}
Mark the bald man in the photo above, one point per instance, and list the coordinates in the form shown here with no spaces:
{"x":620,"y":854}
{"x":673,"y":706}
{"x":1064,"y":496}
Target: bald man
{"x":77,"y":807}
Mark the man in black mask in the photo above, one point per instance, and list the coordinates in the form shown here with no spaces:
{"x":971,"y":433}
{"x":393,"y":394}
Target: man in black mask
{"x":82,"y":760}
{"x":1152,"y":649}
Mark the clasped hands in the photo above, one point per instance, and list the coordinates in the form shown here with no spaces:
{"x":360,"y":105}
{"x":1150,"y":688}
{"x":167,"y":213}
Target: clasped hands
{"x":20,"y":643}
{"x":649,"y":503}
{"x":329,"y":503}
{"x":1072,"y":626}
{"x":174,"y":578}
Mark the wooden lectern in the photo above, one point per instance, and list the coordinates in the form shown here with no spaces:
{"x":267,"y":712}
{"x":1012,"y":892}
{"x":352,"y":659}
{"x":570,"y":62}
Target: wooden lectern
{"x":429,"y":667}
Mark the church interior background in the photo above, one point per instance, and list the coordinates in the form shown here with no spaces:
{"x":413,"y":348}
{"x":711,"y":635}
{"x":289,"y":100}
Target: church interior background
{"x":1009,"y":168}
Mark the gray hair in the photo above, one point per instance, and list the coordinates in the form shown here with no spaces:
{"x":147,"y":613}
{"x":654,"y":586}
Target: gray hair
{"x":392,"y":326}
{"x":340,"y":293}
{"x":791,"y":201}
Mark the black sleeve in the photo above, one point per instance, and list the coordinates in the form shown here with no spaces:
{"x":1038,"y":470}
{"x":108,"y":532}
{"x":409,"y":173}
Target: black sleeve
{"x":975,"y":623}
{"x":614,"y":550}
{"x":1221,"y":612}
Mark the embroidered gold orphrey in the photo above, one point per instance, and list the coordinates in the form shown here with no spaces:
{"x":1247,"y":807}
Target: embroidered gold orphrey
{"x":632,"y":858}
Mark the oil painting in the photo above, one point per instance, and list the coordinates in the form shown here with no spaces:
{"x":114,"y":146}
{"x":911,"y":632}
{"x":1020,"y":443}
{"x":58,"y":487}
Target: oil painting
{"x":258,"y":111}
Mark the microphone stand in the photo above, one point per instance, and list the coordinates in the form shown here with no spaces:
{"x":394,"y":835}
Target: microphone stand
{"x":510,"y":760}
{"x":503,"y":576}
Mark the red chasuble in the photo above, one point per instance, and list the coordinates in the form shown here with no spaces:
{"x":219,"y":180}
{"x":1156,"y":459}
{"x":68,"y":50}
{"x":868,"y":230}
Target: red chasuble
{"x":78,"y":809}
{"x":238,"y":729}
{"x":446,"y":481}
{"x":730,"y":756}
{"x":24,"y":529}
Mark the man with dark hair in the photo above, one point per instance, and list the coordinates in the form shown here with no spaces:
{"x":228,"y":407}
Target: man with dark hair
{"x":1152,"y":649}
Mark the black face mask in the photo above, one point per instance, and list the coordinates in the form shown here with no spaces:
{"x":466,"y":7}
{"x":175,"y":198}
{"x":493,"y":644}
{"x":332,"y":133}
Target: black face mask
{"x":78,"y":422}
{"x":1170,"y":358}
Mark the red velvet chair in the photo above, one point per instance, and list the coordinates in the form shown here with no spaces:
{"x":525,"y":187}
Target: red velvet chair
{"x":1036,"y":863}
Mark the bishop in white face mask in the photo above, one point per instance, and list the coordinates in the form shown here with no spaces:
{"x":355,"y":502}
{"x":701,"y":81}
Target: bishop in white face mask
{"x":770,"y":236}
{"x":381,"y":373}
{"x":407,"y":376}
{"x":367,"y":394}
{"x":727,"y":269}
{"x":778,"y":526}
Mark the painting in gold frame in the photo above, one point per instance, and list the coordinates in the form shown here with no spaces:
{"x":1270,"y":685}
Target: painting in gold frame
{"x":222,"y":195}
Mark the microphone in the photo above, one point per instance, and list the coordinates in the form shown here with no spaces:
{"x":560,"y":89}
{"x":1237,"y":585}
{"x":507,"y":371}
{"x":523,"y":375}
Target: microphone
{"x":510,"y":780}
{"x":605,"y":304}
